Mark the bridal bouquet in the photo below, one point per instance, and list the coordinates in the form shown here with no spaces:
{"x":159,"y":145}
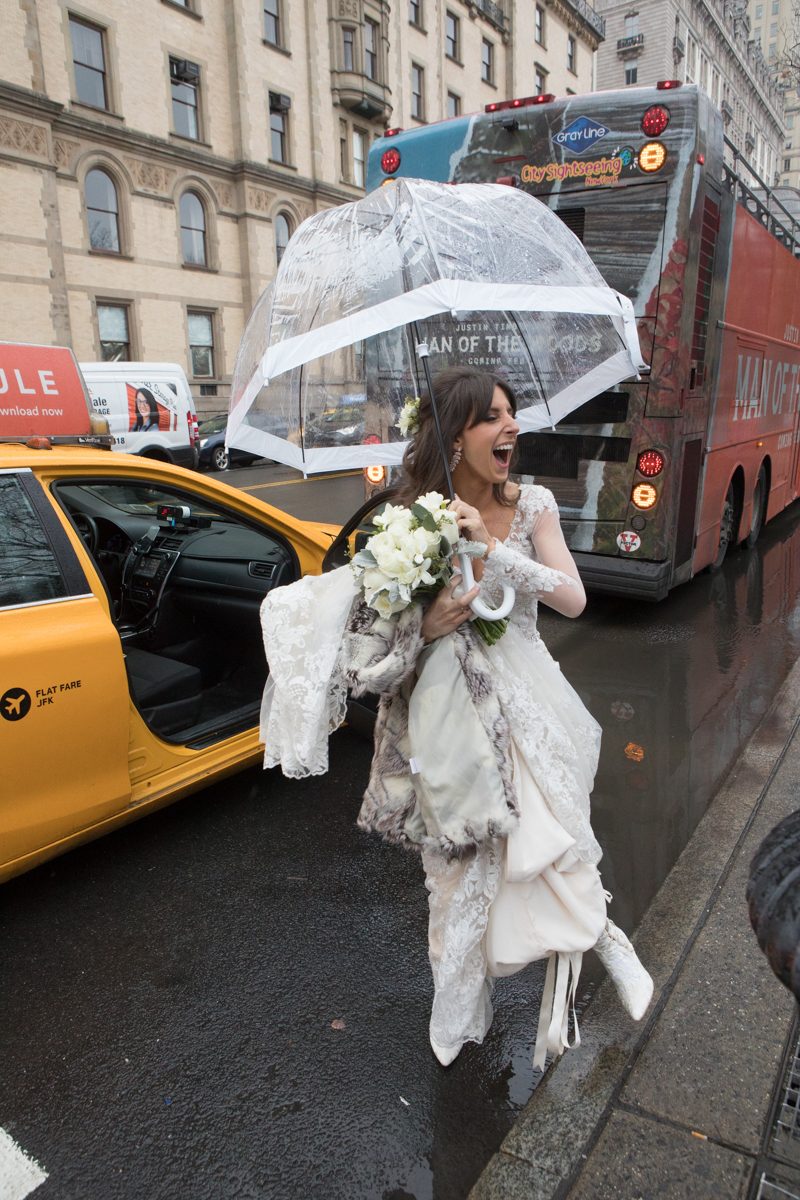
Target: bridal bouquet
{"x":412,"y":555}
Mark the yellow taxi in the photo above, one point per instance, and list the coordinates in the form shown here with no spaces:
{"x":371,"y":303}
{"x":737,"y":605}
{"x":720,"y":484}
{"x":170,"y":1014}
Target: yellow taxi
{"x":131,"y":660}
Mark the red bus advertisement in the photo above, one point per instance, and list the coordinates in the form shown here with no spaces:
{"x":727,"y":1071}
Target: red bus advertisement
{"x":655,"y":478}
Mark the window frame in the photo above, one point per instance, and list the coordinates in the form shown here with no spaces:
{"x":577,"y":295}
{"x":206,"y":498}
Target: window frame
{"x":185,"y":261}
{"x":455,"y":56}
{"x":102,"y":31}
{"x":281,"y":115}
{"x":540,"y":74}
{"x":195,"y":108}
{"x":539,"y":25}
{"x":355,"y":133}
{"x":418,"y":21}
{"x":419,"y":114}
{"x":277,"y":17}
{"x":572,"y":54}
{"x":211,"y":314}
{"x":69,"y":568}
{"x":125,"y":306}
{"x":348,"y":48}
{"x":281,"y":215}
{"x":457,"y":106}
{"x":372,"y":57}
{"x":101,"y":169}
{"x":631,"y":73}
{"x":487,"y":62}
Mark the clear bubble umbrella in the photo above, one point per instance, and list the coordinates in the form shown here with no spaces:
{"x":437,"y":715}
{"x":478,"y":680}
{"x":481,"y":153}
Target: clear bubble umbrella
{"x":372,"y":298}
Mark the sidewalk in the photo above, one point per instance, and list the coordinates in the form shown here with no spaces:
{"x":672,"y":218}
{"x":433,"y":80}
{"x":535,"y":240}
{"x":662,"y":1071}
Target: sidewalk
{"x":683,"y":1104}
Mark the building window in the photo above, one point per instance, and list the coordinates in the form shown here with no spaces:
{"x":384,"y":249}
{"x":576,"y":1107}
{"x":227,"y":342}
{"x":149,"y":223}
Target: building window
{"x":759,"y":11}
{"x":184,"y":79}
{"x":115,"y":338}
{"x":201,"y":344}
{"x":453,"y":105}
{"x":279,"y":127}
{"x":359,"y":158}
{"x":417,"y":92}
{"x":344,"y":157}
{"x":89,"y":63}
{"x":193,"y":229}
{"x":348,"y":49}
{"x":631,"y":24}
{"x":773,"y":50}
{"x":773,"y":29}
{"x":371,"y":49}
{"x":272,"y":22}
{"x":487,"y":61}
{"x":283,"y":231}
{"x":415,"y":12}
{"x":102,"y":212}
{"x":538,"y":28}
{"x":775,"y":7}
{"x":539,"y":79}
{"x":571,"y":55}
{"x":631,"y":74}
{"x":451,"y":36}
{"x":787,"y":164}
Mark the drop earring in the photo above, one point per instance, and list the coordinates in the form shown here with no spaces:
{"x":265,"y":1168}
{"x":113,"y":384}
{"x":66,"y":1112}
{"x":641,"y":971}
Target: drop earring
{"x":456,"y":459}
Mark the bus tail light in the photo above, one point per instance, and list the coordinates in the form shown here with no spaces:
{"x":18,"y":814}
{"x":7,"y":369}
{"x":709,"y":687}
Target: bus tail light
{"x":644,"y":495}
{"x":650,"y":463}
{"x":652,"y":157}
{"x":390,"y":161}
{"x":655,"y":120}
{"x":664,"y":85}
{"x":375,"y":475}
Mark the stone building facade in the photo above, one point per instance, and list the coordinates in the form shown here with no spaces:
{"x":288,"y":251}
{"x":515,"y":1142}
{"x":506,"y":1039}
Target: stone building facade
{"x":707,"y":42}
{"x":773,"y":23}
{"x":155,"y":155}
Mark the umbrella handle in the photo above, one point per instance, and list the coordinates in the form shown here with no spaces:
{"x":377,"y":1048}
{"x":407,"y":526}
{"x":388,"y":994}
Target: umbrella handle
{"x":478,"y":607}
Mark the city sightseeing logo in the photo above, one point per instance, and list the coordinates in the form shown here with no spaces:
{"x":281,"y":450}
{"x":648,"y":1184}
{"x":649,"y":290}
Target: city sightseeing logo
{"x":580,"y":135}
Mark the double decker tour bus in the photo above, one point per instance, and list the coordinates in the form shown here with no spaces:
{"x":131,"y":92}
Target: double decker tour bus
{"x":655,"y":479}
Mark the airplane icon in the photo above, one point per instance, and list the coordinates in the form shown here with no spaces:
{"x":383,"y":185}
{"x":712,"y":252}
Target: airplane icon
{"x":15,"y":704}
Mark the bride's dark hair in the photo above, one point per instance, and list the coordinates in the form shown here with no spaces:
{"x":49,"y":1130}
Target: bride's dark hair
{"x":463,"y":398}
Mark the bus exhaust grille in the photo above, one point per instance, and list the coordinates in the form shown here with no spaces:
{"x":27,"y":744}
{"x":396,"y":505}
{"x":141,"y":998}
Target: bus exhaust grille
{"x":557,"y":455}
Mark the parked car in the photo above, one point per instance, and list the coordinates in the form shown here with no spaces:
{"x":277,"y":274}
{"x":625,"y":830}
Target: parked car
{"x":214,"y":455}
{"x":131,"y":667}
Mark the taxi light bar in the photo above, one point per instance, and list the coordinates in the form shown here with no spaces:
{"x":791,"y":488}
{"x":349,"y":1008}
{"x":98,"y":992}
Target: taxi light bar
{"x":652,"y":157}
{"x":664,"y":85}
{"x":655,"y":120}
{"x":644,"y":495}
{"x":520,"y":102}
{"x":650,"y":463}
{"x":390,"y":161}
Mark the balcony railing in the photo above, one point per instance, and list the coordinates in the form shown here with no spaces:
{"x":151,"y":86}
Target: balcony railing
{"x":635,"y":42}
{"x":493,"y":12}
{"x":587,"y":14}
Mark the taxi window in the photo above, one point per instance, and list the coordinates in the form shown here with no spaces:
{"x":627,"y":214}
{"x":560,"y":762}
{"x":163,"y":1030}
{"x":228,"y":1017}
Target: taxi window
{"x":29,"y":570}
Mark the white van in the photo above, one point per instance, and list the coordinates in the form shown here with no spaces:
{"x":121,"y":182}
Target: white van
{"x":149,"y":407}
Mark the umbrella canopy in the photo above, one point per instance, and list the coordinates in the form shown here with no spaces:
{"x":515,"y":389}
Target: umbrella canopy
{"x":490,"y":276}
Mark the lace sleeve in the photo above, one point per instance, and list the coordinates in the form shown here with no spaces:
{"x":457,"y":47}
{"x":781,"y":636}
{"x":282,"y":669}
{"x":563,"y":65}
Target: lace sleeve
{"x":518,"y":566}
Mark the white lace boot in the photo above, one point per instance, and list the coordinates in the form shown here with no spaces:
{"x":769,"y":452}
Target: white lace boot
{"x":634,"y":985}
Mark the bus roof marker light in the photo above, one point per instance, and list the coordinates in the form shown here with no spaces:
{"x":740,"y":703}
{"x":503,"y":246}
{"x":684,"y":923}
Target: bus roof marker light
{"x":652,"y":157}
{"x":390,"y":161}
{"x":655,"y":120}
{"x":392,"y":132}
{"x":664,"y":85}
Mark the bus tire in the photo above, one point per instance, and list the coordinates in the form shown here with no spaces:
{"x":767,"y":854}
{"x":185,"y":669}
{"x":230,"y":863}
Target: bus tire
{"x":759,"y":508}
{"x":727,"y":528}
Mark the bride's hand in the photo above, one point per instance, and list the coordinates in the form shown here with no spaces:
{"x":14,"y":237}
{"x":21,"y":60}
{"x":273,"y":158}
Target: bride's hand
{"x":448,"y":610}
{"x":471,"y":524}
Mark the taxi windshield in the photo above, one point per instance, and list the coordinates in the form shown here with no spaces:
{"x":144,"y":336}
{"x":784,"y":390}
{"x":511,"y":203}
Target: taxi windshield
{"x":139,"y":499}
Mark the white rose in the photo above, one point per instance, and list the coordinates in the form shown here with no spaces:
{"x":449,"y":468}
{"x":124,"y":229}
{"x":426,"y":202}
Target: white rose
{"x":433,"y":501}
{"x":394,"y":516}
{"x":394,"y":555}
{"x":385,"y":607}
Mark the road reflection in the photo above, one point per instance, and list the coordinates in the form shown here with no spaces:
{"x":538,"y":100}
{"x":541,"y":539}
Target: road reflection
{"x":679,"y":688}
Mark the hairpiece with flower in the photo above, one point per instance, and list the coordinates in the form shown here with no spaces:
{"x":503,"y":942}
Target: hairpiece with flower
{"x":409,"y":417}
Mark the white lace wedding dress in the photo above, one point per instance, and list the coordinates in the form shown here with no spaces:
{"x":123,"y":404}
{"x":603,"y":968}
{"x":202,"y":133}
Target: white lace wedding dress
{"x":536,"y":894}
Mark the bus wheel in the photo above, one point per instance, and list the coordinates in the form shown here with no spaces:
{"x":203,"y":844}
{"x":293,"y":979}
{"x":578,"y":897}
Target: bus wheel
{"x":759,"y":507}
{"x":726,"y":528}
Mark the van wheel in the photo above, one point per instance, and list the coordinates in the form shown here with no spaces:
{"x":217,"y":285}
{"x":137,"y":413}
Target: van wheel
{"x":759,"y":508}
{"x":726,"y":528}
{"x":220,"y":458}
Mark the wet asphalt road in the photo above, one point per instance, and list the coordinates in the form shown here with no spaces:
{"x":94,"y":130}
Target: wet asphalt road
{"x":169,"y":992}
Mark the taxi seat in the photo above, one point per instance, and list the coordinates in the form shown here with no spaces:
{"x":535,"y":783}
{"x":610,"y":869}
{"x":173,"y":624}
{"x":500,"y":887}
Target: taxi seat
{"x":167,"y":693}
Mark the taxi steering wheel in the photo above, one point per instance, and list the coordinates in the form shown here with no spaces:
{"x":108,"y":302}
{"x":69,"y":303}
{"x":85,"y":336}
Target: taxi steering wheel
{"x":87,"y":528}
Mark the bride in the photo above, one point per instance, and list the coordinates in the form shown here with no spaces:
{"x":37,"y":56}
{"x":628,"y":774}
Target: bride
{"x":484,"y":755}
